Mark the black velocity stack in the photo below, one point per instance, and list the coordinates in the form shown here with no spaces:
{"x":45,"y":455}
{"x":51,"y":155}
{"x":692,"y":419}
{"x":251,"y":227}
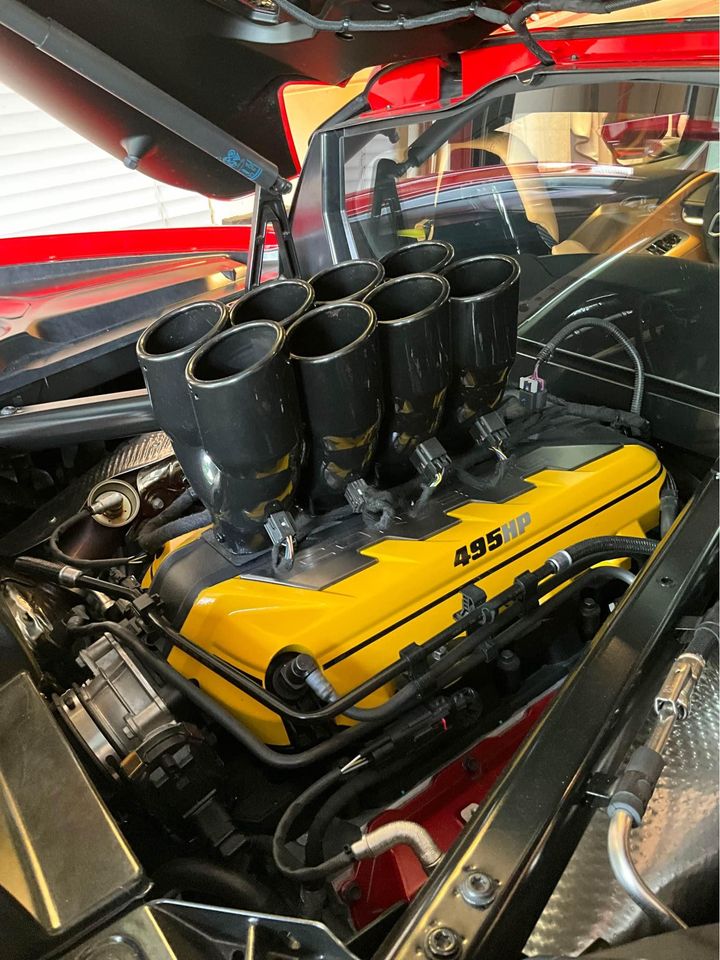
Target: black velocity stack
{"x":484,"y":293}
{"x":351,"y":280}
{"x":163,"y":351}
{"x":425,"y":256}
{"x":414,"y":325}
{"x":334,"y":351}
{"x":280,"y":300}
{"x":246,"y":408}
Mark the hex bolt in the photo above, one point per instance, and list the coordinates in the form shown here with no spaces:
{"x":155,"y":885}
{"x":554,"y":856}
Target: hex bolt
{"x":443,"y":943}
{"x":478,"y":889}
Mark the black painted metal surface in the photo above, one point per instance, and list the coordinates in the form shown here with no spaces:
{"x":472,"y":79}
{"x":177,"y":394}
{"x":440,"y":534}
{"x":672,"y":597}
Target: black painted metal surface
{"x":526,"y":831}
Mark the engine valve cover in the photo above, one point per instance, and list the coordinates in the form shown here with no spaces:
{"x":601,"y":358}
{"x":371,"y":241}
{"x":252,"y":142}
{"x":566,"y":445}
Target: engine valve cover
{"x":355,"y":598}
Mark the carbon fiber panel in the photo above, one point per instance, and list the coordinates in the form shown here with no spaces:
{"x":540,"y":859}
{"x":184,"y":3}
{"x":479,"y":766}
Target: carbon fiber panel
{"x":139,"y":452}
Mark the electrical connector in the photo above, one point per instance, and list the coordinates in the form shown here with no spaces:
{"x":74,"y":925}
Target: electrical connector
{"x":490,"y":431}
{"x":432,"y":461}
{"x":356,"y":495}
{"x":533,"y":393}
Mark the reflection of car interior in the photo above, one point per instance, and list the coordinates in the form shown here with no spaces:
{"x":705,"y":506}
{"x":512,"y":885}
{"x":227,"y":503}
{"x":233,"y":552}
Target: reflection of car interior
{"x":587,"y":186}
{"x":552,"y":171}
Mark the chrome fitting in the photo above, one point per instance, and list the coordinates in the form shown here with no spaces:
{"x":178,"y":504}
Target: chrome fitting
{"x":391,"y":834}
{"x":679,"y":685}
{"x":321,"y":686}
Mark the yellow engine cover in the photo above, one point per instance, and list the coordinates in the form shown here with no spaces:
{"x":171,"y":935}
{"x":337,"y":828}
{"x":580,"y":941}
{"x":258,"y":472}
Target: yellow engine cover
{"x":353,"y":608}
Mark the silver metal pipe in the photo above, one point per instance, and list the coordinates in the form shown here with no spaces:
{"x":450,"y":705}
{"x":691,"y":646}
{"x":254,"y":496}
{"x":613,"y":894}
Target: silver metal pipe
{"x":662,"y":729}
{"x":627,"y":576}
{"x":391,"y":834}
{"x":630,"y":880}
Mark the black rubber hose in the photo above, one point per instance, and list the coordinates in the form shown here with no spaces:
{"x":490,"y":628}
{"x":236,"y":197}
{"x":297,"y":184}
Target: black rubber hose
{"x":524,"y":625}
{"x":706,"y":634}
{"x":82,"y":562}
{"x":489,"y":14}
{"x":152,"y":541}
{"x":290,"y":761}
{"x":599,"y":547}
{"x":180,"y":505}
{"x":280,"y":854}
{"x":608,"y":548}
{"x":338,"y":800}
{"x":191,"y":875}
{"x":49,"y":570}
{"x":582,"y":323}
{"x":268,"y":699}
{"x":588,"y":411}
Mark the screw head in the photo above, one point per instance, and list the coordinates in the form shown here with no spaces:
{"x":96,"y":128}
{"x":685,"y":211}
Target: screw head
{"x":478,"y":889}
{"x":443,"y":943}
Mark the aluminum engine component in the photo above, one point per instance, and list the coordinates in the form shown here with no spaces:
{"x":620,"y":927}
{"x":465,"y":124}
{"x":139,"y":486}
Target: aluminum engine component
{"x":117,"y":710}
{"x":126,"y":726}
{"x":128,"y":503}
{"x":675,"y":849}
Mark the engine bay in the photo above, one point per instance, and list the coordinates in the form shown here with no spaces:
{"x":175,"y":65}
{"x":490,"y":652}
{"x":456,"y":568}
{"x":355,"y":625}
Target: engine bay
{"x":283,"y":658}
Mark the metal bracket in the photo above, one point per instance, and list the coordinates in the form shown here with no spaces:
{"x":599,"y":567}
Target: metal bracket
{"x":269,"y":210}
{"x":598,"y":789}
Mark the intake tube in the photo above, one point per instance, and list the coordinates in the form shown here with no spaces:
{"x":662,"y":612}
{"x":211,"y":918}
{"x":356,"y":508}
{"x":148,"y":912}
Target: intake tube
{"x":163,"y":351}
{"x":414,"y":326}
{"x":280,"y":300}
{"x":246,"y":407}
{"x":350,"y":280}
{"x":484,"y":293}
{"x":425,"y":256}
{"x":334,"y":352}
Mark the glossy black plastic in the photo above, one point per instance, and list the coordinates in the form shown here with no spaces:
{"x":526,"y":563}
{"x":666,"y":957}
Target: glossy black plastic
{"x":163,"y":351}
{"x":426,"y":256}
{"x":247,"y":411}
{"x":414,"y":326}
{"x":280,"y":300}
{"x":351,"y":280}
{"x":334,"y":350}
{"x":483,"y":310}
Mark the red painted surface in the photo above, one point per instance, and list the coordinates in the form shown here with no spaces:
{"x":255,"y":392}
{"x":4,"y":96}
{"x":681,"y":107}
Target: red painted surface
{"x":124,"y":243}
{"x":409,"y":85}
{"x":684,"y":48}
{"x":397,"y":875}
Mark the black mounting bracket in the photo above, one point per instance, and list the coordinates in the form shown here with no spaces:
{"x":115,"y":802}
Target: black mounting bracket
{"x":269,"y":210}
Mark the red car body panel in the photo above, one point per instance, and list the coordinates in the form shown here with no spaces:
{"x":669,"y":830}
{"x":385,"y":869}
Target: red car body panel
{"x":414,"y":85}
{"x":123,"y":243}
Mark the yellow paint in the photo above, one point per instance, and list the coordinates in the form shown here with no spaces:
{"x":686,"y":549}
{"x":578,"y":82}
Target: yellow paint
{"x":247,"y":622}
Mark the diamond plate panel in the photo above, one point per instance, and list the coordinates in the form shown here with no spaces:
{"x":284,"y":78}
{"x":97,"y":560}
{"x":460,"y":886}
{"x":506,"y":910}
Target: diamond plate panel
{"x":675,"y":850}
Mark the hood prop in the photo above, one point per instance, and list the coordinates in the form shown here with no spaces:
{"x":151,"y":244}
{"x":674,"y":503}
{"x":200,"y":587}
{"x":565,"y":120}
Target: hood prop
{"x":87,"y":60}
